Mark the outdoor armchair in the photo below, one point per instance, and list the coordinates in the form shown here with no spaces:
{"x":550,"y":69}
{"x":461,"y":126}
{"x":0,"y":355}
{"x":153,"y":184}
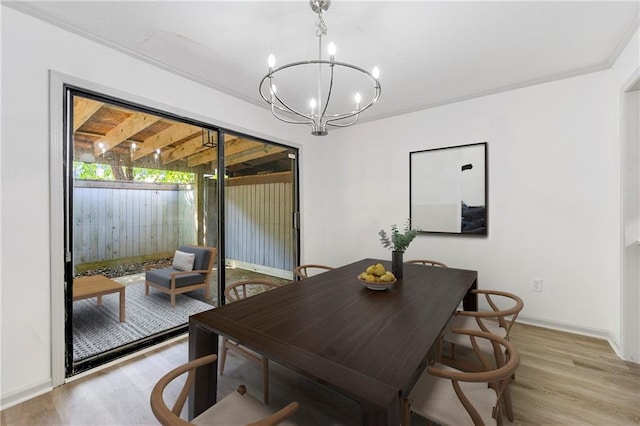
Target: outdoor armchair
{"x":191,"y":270}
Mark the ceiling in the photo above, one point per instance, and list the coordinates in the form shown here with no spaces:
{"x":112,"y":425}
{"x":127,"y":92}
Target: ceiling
{"x":123,"y":138}
{"x":429,"y":53}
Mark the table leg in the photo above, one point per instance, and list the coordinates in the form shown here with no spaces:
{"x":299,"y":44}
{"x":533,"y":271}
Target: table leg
{"x":99,"y":300}
{"x":203,"y":393}
{"x":122,"y":307}
{"x":470,"y":301}
{"x":374,"y":415}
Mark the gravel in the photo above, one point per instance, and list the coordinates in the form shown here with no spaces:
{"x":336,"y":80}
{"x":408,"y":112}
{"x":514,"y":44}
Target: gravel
{"x":128,"y":269}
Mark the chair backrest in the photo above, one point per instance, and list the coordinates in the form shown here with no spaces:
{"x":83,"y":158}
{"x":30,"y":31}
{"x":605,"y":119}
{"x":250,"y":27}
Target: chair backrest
{"x":506,"y":316}
{"x":496,"y":374}
{"x":427,"y":262}
{"x":302,"y":271}
{"x":243,"y":289}
{"x":205,"y":257}
{"x":171,"y":417}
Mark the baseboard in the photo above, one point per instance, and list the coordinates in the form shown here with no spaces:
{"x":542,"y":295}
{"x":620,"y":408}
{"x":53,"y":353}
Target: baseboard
{"x":570,"y":328}
{"x":274,"y":272}
{"x":25,"y":394}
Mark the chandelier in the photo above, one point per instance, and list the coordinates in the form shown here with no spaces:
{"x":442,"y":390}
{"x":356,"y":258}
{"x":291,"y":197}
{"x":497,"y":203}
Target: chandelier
{"x":318,"y":114}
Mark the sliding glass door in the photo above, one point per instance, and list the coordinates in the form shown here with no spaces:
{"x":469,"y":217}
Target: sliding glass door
{"x":260,"y":205}
{"x":141,"y":184}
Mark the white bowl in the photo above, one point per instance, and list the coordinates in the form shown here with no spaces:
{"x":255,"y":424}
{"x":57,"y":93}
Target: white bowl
{"x":377,"y":286}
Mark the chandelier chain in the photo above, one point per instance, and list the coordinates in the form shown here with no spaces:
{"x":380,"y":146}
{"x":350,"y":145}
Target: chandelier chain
{"x":321,"y":27}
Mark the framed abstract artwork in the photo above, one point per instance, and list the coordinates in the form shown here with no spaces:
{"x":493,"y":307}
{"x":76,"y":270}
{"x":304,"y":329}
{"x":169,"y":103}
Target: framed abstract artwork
{"x":448,"y":190}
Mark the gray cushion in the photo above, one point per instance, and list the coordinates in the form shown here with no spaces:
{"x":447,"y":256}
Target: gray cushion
{"x":163,"y":277}
{"x":202,"y":256}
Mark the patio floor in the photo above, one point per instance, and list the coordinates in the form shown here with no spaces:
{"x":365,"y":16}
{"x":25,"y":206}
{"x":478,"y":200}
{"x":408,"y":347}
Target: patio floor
{"x":232,"y":275}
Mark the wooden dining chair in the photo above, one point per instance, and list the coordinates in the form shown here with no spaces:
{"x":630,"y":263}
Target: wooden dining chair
{"x":238,"y":408}
{"x":498,"y":320}
{"x":302,"y":271}
{"x":427,"y":262}
{"x":448,"y":396}
{"x":234,"y":292}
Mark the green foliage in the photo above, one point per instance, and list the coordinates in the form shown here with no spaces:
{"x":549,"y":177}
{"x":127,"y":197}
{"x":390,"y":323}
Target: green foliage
{"x":399,"y":241}
{"x":92,"y":171}
{"x":96,"y":171}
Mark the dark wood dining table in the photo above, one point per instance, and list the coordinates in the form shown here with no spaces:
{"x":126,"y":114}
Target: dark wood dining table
{"x":368,"y":345}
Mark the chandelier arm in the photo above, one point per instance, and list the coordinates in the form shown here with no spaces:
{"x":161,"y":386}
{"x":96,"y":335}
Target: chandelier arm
{"x":338,"y":117}
{"x":287,"y":108}
{"x":277,"y":111}
{"x":326,"y":104}
{"x":284,"y":108}
{"x":331,"y":122}
{"x":288,"y":120}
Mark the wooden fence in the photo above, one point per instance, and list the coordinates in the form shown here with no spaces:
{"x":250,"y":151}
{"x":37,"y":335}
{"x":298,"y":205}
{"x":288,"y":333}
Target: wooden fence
{"x":124,"y":220}
{"x":259,"y":225}
{"x":119,"y":220}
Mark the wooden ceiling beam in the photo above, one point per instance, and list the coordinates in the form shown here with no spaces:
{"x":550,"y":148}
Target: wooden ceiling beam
{"x":166,"y":137}
{"x":252,"y":154}
{"x":203,"y":157}
{"x":129,"y":127}
{"x":83,"y":110}
{"x":185,"y":149}
{"x":231,"y":147}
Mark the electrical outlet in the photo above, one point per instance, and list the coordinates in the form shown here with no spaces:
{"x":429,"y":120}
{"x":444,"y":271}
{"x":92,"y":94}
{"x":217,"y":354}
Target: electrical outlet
{"x":536,"y":284}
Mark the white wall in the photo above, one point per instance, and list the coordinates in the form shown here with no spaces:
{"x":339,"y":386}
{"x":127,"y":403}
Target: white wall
{"x":30,"y":49}
{"x":554,"y":203}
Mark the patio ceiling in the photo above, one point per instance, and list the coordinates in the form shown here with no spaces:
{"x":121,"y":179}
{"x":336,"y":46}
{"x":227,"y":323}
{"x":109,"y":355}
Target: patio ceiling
{"x":110,"y":134}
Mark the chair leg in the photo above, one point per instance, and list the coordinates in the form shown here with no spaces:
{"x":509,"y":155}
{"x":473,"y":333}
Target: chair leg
{"x":173,"y":299}
{"x":146,"y":288}
{"x":508,"y":407}
{"x":222,"y":356}
{"x":439,"y":348}
{"x":265,"y":380}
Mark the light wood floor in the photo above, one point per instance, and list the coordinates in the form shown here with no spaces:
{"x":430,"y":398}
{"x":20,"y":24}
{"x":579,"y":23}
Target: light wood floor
{"x":564,"y":379}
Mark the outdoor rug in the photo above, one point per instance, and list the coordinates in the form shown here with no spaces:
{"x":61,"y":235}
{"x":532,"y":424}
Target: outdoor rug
{"x":96,"y":329}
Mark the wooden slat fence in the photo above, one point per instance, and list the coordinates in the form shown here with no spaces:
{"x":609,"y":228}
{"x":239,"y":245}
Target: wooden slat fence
{"x":122,"y":220}
{"x":119,"y":220}
{"x":259,"y":224}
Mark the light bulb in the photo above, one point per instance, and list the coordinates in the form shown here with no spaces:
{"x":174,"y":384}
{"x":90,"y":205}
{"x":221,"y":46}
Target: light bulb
{"x":375,"y":72}
{"x":273,"y":89}
{"x":134,"y":146}
{"x":331,"y":48}
{"x":100,"y":145}
{"x":271,"y":61}
{"x":312,"y":104}
{"x":358,"y":99}
{"x":158,"y":151}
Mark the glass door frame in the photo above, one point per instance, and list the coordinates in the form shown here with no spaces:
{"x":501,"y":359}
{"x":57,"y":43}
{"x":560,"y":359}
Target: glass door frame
{"x":68,"y":92}
{"x":221,"y":276}
{"x":71,"y":367}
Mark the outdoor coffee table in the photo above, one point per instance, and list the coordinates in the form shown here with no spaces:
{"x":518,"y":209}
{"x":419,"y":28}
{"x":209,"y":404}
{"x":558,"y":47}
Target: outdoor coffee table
{"x":98,"y":286}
